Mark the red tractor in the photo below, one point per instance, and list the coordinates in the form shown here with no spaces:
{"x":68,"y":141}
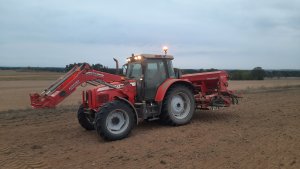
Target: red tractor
{"x":149,"y":89}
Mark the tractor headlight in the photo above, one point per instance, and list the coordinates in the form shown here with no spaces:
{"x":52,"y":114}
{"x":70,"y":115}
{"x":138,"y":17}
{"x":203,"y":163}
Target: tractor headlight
{"x":127,"y":60}
{"x":138,"y":57}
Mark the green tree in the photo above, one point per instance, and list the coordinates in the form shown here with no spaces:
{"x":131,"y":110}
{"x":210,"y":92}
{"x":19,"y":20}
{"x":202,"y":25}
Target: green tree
{"x":258,"y":73}
{"x":70,"y":66}
{"x":97,"y":66}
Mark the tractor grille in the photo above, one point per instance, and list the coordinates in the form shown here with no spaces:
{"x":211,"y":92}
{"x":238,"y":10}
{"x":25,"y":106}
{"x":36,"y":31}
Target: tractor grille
{"x":89,"y":97}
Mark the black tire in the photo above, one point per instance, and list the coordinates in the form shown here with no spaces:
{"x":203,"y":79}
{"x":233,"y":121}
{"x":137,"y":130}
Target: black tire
{"x":85,"y":120}
{"x":112,"y":116}
{"x":178,"y":106}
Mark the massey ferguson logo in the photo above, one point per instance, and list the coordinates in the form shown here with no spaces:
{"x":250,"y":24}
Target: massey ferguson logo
{"x":95,"y":74}
{"x":118,"y":86}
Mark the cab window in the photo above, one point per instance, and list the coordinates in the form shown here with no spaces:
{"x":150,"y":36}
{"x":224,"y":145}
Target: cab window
{"x":155,"y":71}
{"x":134,"y":70}
{"x":171,"y":69}
{"x":155,"y":75}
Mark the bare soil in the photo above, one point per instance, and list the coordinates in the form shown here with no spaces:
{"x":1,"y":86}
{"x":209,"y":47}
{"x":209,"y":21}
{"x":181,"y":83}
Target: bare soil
{"x":261,"y":132}
{"x":14,"y":95}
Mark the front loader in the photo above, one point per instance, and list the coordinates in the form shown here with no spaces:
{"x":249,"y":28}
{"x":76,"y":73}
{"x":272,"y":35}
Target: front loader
{"x":149,"y":89}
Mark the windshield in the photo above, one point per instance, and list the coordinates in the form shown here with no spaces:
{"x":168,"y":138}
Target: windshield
{"x":134,"y":71}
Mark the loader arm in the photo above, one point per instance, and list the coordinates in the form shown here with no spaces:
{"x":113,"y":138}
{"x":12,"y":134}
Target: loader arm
{"x":67,"y":84}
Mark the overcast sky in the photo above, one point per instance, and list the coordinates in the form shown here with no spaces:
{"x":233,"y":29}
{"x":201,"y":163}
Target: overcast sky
{"x":223,"y":34}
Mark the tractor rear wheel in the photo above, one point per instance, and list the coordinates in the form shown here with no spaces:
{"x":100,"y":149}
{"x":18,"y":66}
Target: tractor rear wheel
{"x":178,"y":106}
{"x":86,"y":119}
{"x":114,"y":121}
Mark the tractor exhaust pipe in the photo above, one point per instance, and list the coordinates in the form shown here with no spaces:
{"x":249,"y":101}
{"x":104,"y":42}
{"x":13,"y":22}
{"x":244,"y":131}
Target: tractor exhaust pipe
{"x":117,"y":66}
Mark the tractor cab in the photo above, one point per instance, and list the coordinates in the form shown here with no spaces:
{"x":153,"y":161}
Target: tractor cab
{"x":150,"y":71}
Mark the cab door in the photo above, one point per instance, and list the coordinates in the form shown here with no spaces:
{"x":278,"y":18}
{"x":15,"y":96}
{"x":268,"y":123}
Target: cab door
{"x":155,"y":75}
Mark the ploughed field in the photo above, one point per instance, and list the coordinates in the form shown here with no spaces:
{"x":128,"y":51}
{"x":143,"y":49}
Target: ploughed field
{"x":261,"y":132}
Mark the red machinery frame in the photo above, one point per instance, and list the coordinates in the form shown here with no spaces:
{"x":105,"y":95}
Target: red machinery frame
{"x":68,"y":83}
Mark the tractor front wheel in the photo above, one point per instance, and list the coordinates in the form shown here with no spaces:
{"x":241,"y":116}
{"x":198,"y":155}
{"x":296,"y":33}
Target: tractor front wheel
{"x":178,"y":106}
{"x":86,"y":119}
{"x":114,"y":121}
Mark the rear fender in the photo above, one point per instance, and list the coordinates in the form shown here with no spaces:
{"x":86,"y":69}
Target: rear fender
{"x":131,"y":105}
{"x":163,"y":88}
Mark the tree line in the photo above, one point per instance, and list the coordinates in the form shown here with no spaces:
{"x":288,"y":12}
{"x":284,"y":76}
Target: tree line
{"x":96,"y":66}
{"x":35,"y":69}
{"x":257,"y":73}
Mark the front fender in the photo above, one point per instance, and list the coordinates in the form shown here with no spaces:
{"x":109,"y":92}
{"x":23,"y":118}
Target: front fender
{"x":131,"y":105}
{"x":163,"y":88}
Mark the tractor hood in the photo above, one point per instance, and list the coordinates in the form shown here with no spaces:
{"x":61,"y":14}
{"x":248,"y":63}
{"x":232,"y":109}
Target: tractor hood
{"x":117,"y":85}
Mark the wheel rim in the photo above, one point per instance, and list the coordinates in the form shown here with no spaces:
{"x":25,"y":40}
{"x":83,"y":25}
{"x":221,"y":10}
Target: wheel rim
{"x":180,"y":105}
{"x":117,"y":121}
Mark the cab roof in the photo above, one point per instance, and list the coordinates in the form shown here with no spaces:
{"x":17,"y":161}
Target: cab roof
{"x":152,"y":56}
